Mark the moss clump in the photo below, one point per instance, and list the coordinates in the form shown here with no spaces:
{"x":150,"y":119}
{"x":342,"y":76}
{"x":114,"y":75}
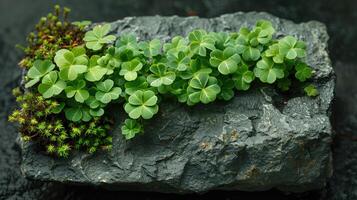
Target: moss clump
{"x":52,"y":33}
{"x":58,"y":136}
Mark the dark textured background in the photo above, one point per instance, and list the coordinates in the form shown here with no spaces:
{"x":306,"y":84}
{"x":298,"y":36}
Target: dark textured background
{"x":17,"y":18}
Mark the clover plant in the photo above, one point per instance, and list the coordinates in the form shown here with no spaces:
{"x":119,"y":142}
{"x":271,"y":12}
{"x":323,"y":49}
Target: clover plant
{"x":96,"y":38}
{"x":83,"y":80}
{"x":39,"y":69}
{"x":142,"y":104}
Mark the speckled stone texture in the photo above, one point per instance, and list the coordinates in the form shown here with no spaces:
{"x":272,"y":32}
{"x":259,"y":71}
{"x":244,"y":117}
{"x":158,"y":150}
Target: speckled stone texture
{"x":257,"y":141}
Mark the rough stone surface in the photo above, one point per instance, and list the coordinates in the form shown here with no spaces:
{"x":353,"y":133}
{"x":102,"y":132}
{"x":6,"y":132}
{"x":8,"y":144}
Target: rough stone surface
{"x":257,"y":141}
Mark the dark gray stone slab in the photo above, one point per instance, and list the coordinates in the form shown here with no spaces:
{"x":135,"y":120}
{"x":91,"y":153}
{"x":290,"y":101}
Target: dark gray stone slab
{"x":257,"y":141}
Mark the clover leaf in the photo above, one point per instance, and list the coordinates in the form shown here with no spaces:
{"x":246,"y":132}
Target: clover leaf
{"x":200,"y":41}
{"x":311,"y":90}
{"x":160,"y":76}
{"x":93,"y":103}
{"x":222,"y":39}
{"x":39,"y":69}
{"x":78,"y":112}
{"x":227,"y":61}
{"x":74,"y":114}
{"x":150,"y":49}
{"x":129,"y":69}
{"x":128,"y":42}
{"x":142,"y":104}
{"x":71,"y":63}
{"x":196,"y":65}
{"x":96,"y":112}
{"x":203,"y":88}
{"x":78,"y":91}
{"x":180,"y":62}
{"x":273,"y":51}
{"x":51,"y":85}
{"x":178,"y":44}
{"x":243,"y":77}
{"x":131,"y":128}
{"x":138,"y":84}
{"x":226,"y":86}
{"x":106,"y":92}
{"x":291,"y":48}
{"x":244,"y":45}
{"x":265,"y":30}
{"x":179,"y":88}
{"x":111,"y":60}
{"x":95,"y":71}
{"x":268,"y":71}
{"x":303,"y":72}
{"x":96,"y":38}
{"x":251,"y":54}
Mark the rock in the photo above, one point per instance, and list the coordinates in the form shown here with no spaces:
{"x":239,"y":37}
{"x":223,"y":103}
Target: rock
{"x":257,"y":141}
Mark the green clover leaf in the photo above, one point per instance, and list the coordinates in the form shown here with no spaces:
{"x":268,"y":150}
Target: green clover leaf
{"x":96,"y":112}
{"x":129,"y":69}
{"x":227,"y":61}
{"x":291,"y":48}
{"x":128,"y":42}
{"x":150,"y":49}
{"x":180,"y":62}
{"x":160,"y":76}
{"x":111,"y":60}
{"x":106,"y":92}
{"x":179,"y":88}
{"x":265,"y":30}
{"x":50,"y":85}
{"x":200,"y":41}
{"x":78,"y":112}
{"x":203,"y":88}
{"x":71,"y":63}
{"x":268,"y":71}
{"x":243,"y":77}
{"x":178,"y":44}
{"x":93,"y":103}
{"x":273,"y":51}
{"x":74,"y":114}
{"x":303,"y":72}
{"x":251,"y":54}
{"x":196,"y":65}
{"x":95,"y":71}
{"x":244,"y":45}
{"x":142,"y":104}
{"x":131,"y":128}
{"x":241,"y":42}
{"x":39,"y":69}
{"x":138,"y":84}
{"x":78,"y":91}
{"x":222,"y":39}
{"x":311,"y":90}
{"x":96,"y":38}
{"x":227,"y":86}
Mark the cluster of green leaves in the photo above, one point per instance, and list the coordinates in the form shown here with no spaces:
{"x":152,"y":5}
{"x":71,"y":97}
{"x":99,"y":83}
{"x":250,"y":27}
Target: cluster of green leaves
{"x":39,"y":116}
{"x":199,"y":68}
